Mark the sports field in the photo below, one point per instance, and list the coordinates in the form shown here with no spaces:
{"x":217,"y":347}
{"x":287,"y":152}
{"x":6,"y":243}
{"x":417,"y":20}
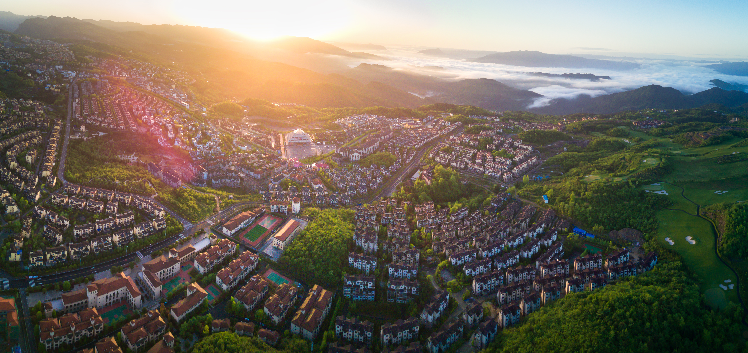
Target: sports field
{"x":213,"y":292}
{"x":276,"y":277}
{"x":115,"y":313}
{"x":256,"y":233}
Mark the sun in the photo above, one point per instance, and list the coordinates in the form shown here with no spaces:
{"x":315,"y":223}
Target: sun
{"x":268,"y":20}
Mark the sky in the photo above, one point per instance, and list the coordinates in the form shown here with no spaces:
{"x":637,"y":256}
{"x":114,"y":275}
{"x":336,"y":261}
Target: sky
{"x":705,"y":28}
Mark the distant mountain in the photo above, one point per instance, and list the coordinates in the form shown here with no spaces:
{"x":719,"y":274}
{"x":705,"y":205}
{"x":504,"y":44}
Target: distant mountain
{"x":538,"y":59}
{"x":432,"y":52}
{"x":10,"y":21}
{"x":648,"y":97}
{"x":359,"y":46}
{"x":484,"y":93}
{"x":729,"y":86}
{"x":227,"y":67}
{"x":734,"y":68}
{"x":590,"y":77}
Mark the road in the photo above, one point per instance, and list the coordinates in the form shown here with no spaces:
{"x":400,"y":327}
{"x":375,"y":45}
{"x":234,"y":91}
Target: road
{"x":61,"y":167}
{"x":391,"y":184}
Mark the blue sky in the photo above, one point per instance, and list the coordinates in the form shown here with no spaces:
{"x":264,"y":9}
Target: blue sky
{"x":689,"y":28}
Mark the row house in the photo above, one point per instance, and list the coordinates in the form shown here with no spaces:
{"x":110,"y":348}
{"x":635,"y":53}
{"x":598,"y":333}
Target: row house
{"x":513,"y":292}
{"x":479,"y":267}
{"x":83,"y":231}
{"x":462,"y":257}
{"x":399,"y":332}
{"x":277,"y":306}
{"x":196,"y":295}
{"x":102,"y":244}
{"x":441,"y":340}
{"x":367,"y":241}
{"x":435,"y":308}
{"x":208,"y":259}
{"x":649,"y":261}
{"x":359,"y":287}
{"x":52,"y":234}
{"x":353,"y":330}
{"x":617,"y":258}
{"x":111,"y":208}
{"x":588,"y":274}
{"x":555,"y":251}
{"x":485,"y":333}
{"x":122,"y":237}
{"x":312,"y":312}
{"x":409,"y":256}
{"x":76,"y":203}
{"x":124,"y":219}
{"x":509,"y":315}
{"x":589,"y":262}
{"x":488,"y":283}
{"x":491,"y":250}
{"x":473,"y":314}
{"x":59,"y":199}
{"x":95,"y":206}
{"x":540,"y":282}
{"x":507,"y":260}
{"x":244,"y":328}
{"x":253,"y":292}
{"x":551,"y":292}
{"x":138,"y":333}
{"x":402,"y":290}
{"x":70,"y":328}
{"x":363,"y":263}
{"x":530,"y":303}
{"x":104,"y":225}
{"x":574,"y":285}
{"x":77,"y":251}
{"x":237,"y":270}
{"x":555,"y":267}
{"x":55,"y":255}
{"x":518,"y":274}
{"x":595,"y":283}
{"x":530,"y":249}
{"x":398,"y":271}
{"x":621,"y":270}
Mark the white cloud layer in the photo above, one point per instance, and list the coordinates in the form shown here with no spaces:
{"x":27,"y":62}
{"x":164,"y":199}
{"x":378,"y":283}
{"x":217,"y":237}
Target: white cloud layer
{"x":686,"y":76}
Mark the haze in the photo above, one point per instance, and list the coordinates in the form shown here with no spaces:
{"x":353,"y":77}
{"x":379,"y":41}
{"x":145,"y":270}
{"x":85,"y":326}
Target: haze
{"x":688,"y":28}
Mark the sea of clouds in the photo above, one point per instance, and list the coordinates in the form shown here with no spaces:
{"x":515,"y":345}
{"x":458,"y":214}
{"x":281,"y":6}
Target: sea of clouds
{"x":687,"y":76}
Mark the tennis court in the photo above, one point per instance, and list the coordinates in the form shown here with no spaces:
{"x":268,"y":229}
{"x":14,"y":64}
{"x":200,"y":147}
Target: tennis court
{"x":276,"y":277}
{"x":592,"y":249}
{"x":187,"y":267}
{"x":116,"y":313}
{"x":213,"y":292}
{"x":268,"y":221}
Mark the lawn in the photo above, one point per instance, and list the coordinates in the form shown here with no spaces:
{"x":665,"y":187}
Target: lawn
{"x":255,"y":233}
{"x":701,"y":257}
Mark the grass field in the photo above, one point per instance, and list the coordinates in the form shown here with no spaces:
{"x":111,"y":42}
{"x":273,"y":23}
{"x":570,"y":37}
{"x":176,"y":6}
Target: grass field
{"x":255,"y":233}
{"x":701,"y":258}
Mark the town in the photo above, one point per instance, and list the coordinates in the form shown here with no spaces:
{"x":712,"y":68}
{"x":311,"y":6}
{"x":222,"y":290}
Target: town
{"x":141,"y":213}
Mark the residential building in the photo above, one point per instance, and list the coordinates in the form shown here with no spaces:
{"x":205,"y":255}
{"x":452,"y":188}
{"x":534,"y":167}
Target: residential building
{"x":196,"y":295}
{"x":353,"y":330}
{"x":312,"y":313}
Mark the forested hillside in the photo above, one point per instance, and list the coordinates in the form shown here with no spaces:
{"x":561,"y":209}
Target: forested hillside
{"x":660,"y":311}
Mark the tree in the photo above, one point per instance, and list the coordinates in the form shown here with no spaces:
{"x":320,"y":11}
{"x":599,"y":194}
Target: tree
{"x":66,"y":286}
{"x":260,"y":315}
{"x":206,"y":330}
{"x":526,"y":179}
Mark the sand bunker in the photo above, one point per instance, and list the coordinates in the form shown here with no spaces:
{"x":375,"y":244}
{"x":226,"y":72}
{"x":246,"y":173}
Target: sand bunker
{"x":724,"y":287}
{"x":720,"y":192}
{"x":690,"y":240}
{"x":670,"y":241}
{"x":731,"y":286}
{"x":728,"y":281}
{"x":661,"y":192}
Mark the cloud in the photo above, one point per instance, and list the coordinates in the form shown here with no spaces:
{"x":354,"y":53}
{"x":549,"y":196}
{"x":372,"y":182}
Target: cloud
{"x":688,"y":76}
